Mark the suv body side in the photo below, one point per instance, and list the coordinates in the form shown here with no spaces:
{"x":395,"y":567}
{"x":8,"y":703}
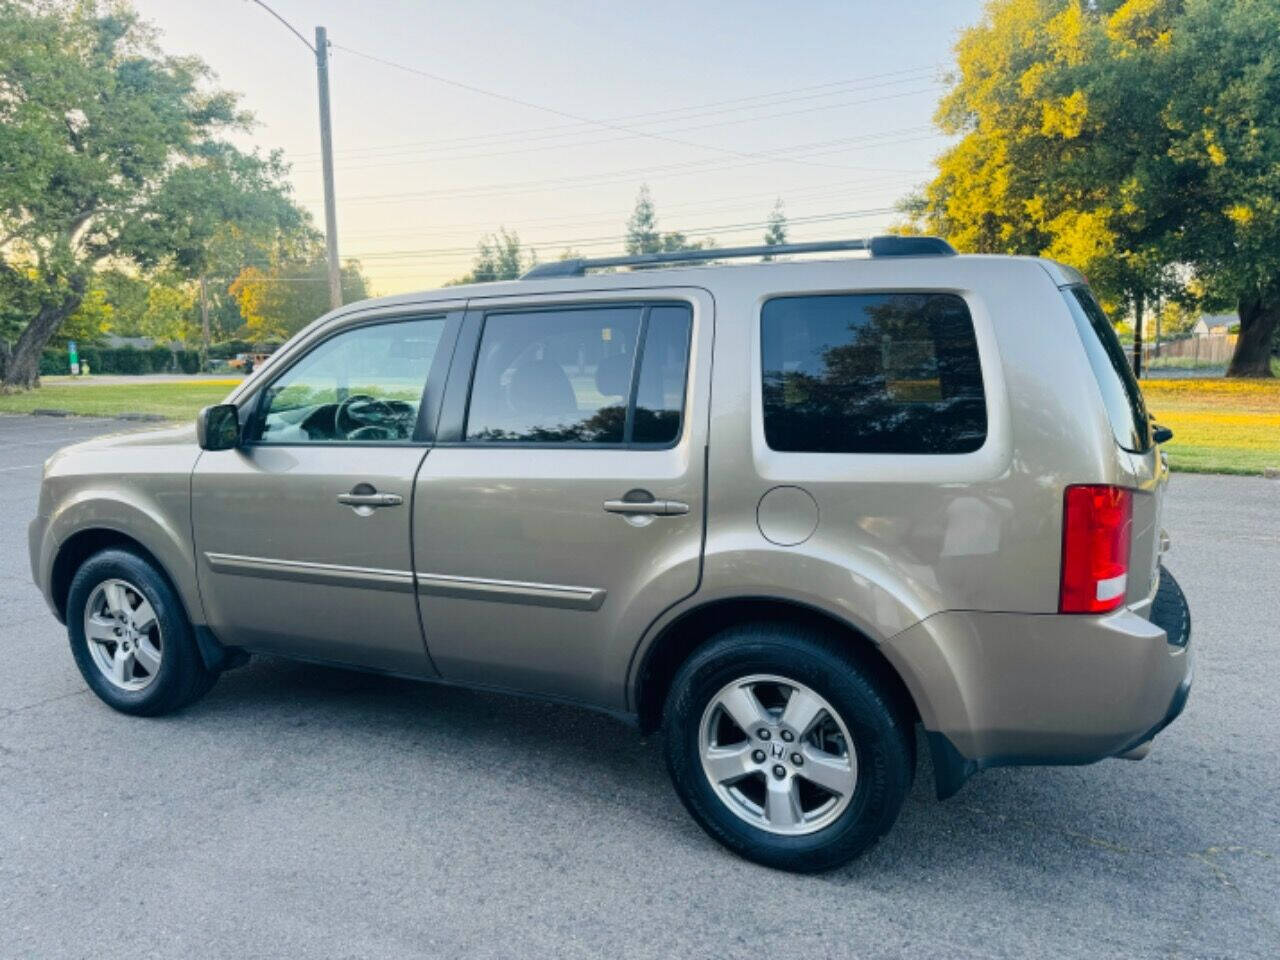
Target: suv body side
{"x":947,"y":564}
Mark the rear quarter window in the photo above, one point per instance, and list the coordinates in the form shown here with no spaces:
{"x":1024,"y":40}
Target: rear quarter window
{"x":1121,"y":395}
{"x":871,"y":373}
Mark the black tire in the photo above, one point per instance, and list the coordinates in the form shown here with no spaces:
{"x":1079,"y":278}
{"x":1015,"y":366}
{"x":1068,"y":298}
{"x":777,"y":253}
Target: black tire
{"x":182,"y":677}
{"x":880,"y":728}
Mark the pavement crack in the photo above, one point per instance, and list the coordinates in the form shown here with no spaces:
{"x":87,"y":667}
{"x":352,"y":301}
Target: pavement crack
{"x":10,"y":711}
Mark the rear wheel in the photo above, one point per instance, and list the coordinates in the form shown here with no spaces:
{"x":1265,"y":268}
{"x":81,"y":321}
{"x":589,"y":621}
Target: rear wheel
{"x":131,"y":638}
{"x":785,"y":749}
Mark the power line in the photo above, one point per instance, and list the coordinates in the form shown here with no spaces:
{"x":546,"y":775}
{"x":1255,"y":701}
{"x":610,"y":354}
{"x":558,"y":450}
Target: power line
{"x":320,"y":52}
{"x":570,"y":128}
{"x":569,"y":116}
{"x":484,"y":229}
{"x":464,"y":255}
{"x":502,"y":140}
{"x":616,"y":238}
{"x":717,"y":204}
{"x":290,"y":26}
{"x":697,"y":166}
{"x":391,"y":162}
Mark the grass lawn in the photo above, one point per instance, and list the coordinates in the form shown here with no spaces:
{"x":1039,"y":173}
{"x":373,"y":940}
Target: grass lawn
{"x":1219,"y":426}
{"x":173,"y":401}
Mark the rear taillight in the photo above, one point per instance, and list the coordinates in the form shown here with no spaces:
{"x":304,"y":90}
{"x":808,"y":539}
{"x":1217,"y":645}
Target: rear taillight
{"x":1096,"y":521}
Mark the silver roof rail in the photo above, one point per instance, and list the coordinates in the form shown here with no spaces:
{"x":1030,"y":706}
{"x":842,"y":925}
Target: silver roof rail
{"x":886,"y":246}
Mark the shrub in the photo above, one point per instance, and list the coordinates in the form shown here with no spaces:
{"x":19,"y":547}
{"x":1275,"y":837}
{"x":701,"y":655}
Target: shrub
{"x":53,"y":362}
{"x":121,"y":360}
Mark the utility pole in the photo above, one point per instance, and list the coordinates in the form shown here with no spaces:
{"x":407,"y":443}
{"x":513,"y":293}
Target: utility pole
{"x":326,"y":149}
{"x":321,"y":50}
{"x":204,"y":324}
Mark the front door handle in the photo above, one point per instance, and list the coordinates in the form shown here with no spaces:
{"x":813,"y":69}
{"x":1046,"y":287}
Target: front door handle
{"x":653,"y":508}
{"x":364,"y":499}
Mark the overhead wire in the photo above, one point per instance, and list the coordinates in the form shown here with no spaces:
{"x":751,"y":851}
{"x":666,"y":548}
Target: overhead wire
{"x":609,"y":125}
{"x":569,"y":128}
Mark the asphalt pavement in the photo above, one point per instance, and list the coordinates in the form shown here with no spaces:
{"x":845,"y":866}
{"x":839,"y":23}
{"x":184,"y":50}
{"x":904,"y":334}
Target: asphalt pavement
{"x":300,"y":811}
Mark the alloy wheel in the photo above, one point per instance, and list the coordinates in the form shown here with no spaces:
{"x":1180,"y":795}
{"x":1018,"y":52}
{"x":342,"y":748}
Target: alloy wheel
{"x":123,"y":635}
{"x":778,"y":755}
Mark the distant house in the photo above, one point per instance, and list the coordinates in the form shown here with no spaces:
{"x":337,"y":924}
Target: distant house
{"x":1215,"y":325}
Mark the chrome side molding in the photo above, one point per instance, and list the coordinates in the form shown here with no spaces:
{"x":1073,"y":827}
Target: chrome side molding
{"x":301,"y":571}
{"x":403,"y":581}
{"x":511,"y":591}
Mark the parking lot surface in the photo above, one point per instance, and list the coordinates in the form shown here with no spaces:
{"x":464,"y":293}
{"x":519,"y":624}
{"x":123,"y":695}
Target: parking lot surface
{"x":302,"y":811}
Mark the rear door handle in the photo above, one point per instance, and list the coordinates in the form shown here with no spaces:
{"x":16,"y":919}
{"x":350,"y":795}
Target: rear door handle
{"x":371,"y":500}
{"x":655,"y":508}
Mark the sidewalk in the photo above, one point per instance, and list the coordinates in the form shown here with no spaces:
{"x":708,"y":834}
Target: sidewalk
{"x":112,"y":379}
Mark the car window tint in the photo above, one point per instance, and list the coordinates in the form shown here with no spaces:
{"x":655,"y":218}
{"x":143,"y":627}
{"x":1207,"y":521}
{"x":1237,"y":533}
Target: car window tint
{"x":363,"y":385}
{"x":871,"y":373}
{"x":1121,"y":395}
{"x":554,"y":376}
{"x":663,"y":372}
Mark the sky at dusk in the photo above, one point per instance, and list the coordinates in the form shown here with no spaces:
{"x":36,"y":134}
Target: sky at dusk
{"x":719,"y":107}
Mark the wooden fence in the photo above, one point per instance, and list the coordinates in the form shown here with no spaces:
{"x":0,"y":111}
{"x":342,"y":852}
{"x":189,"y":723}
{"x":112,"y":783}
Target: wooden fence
{"x":1211,"y":350}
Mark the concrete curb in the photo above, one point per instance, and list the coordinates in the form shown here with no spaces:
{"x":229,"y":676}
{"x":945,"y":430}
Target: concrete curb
{"x":132,"y":417}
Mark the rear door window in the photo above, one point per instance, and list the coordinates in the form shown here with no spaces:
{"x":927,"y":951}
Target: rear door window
{"x":609,"y":375}
{"x":872,"y":373}
{"x":1120,"y":392}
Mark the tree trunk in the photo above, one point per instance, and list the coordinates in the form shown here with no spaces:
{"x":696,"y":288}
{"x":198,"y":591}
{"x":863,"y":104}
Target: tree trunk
{"x":1138,"y":304}
{"x":1258,"y":321}
{"x":1158,"y":311}
{"x":204,"y":324}
{"x":22,"y":365}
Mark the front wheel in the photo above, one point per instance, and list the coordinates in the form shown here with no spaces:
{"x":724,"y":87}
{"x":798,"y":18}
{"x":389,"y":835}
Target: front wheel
{"x":131,"y":638}
{"x":785,"y":749}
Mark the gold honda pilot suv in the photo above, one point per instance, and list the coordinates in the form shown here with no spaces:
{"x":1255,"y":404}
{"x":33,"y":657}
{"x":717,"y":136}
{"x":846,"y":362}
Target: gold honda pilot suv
{"x":783,"y":511}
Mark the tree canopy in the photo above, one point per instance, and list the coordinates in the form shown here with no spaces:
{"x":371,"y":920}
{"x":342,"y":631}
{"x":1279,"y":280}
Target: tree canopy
{"x":643,"y":235}
{"x":1126,"y":137}
{"x":776,"y":227}
{"x":112,"y":153}
{"x":279,"y":300}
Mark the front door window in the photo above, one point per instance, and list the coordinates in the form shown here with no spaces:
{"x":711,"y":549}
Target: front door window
{"x":362,"y":386}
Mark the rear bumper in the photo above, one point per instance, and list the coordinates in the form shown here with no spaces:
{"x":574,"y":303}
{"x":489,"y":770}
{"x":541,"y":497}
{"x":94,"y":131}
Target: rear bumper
{"x":1003,"y":689}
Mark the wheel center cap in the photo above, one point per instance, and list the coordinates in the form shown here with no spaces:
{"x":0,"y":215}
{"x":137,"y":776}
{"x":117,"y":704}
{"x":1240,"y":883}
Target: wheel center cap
{"x":777,"y":749}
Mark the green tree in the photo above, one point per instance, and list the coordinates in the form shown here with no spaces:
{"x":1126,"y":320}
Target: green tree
{"x":127,"y":293}
{"x":90,"y":320}
{"x":1052,"y":157}
{"x":642,"y":228}
{"x":169,"y":314}
{"x":222,"y":209}
{"x":499,"y":256}
{"x":1223,"y":116}
{"x":97,"y":129}
{"x":776,"y":231}
{"x":278,"y":301}
{"x":1125,"y":137}
{"x":643,"y":235}
{"x":168,"y":318}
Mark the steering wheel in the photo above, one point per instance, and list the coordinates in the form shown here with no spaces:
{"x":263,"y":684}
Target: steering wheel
{"x":359,"y":412}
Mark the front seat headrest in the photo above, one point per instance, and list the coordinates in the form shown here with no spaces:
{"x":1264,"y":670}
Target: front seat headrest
{"x":613,"y":375}
{"x":540,"y":388}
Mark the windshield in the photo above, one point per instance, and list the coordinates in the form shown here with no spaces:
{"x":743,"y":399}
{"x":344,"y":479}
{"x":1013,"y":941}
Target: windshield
{"x":1120,"y":392}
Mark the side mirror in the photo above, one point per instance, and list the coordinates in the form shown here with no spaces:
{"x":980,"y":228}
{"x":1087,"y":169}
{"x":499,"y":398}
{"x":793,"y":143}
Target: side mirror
{"x":218,"y":427}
